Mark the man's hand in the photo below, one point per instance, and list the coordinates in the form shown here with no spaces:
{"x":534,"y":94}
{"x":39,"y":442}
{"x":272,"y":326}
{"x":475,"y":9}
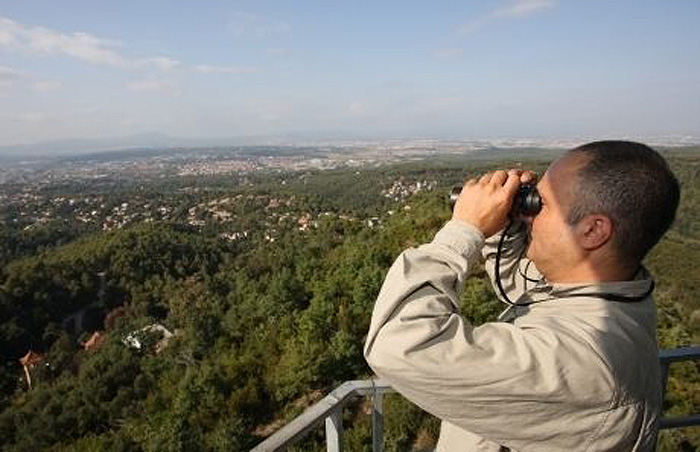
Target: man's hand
{"x":487,"y":201}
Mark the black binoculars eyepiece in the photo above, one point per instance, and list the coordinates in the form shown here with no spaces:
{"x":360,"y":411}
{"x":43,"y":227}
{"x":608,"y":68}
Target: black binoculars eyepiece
{"x":527,"y":200}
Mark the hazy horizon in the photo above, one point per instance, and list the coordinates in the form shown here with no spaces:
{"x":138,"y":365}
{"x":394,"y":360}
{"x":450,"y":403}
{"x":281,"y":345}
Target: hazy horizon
{"x":159,"y":142}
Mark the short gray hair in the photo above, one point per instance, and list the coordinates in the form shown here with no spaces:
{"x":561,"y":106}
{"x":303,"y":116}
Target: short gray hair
{"x":632,"y":185}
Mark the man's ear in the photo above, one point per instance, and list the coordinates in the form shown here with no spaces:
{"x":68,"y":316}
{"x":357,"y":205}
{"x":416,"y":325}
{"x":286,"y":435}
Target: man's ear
{"x":594,"y":231}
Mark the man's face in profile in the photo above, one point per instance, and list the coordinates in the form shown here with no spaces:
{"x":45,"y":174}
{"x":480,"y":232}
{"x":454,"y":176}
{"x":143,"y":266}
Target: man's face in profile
{"x":552,"y":241}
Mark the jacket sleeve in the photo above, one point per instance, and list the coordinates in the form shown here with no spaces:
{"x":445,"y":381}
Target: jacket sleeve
{"x":475,"y":378}
{"x":517,"y":272}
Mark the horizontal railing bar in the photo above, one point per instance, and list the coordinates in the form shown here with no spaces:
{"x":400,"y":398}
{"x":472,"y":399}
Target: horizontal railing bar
{"x":679,"y":354}
{"x":298,"y":427}
{"x":371,"y":387}
{"x":333,"y":402}
{"x":678,"y":422}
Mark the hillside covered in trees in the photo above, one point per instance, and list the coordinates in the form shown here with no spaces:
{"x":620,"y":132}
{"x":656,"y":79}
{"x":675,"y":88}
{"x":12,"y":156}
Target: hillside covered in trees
{"x":266,"y":286}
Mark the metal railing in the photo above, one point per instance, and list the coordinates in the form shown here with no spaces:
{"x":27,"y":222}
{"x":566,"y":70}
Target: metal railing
{"x":330,"y":408}
{"x":666,"y":357}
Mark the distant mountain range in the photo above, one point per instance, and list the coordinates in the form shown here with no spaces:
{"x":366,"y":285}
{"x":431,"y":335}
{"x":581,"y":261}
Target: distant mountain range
{"x":71,"y":147}
{"x":156,"y":140}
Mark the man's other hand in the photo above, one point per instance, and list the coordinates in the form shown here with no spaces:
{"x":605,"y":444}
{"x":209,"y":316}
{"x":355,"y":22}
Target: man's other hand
{"x":486,"y":202}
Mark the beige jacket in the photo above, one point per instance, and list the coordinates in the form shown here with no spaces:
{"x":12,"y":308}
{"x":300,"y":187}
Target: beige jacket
{"x":566,"y":370}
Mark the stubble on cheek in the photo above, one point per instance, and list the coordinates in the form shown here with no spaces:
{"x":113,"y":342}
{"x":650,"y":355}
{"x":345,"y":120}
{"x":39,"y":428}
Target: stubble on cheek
{"x":529,"y":245}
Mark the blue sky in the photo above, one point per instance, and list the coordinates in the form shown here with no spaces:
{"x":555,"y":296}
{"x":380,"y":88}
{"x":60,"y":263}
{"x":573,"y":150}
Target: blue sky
{"x":470,"y":69}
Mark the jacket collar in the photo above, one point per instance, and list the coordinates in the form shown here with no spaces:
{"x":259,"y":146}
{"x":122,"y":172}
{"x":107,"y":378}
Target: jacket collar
{"x":633,"y":290}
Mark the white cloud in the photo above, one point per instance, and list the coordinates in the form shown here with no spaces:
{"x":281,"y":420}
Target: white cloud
{"x":151,"y":85}
{"x":164,"y":63}
{"x":9,"y":80}
{"x":46,"y":86}
{"x":515,"y":9}
{"x":210,"y":69}
{"x":278,"y":51}
{"x":32,"y":117}
{"x":79,"y":45}
{"x":94,"y":50}
{"x":44,"y":41}
{"x":357,"y":108}
{"x":443,"y":103}
{"x":9,"y":75}
{"x":448,"y":54}
{"x":12,"y":78}
{"x":257,"y":25}
{"x":8,"y":29}
{"x":524,"y":8}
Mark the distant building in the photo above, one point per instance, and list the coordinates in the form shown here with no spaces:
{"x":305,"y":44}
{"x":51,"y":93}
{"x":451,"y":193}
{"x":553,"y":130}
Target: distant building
{"x":95,"y":341}
{"x":135,"y":338}
{"x":30,"y":362}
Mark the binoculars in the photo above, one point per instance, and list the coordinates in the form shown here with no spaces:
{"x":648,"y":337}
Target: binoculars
{"x":527,"y":200}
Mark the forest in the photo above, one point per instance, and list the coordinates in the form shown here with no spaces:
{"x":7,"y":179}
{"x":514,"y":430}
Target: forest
{"x":265,"y":313}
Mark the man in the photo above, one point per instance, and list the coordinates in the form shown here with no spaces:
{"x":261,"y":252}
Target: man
{"x":572,"y":364}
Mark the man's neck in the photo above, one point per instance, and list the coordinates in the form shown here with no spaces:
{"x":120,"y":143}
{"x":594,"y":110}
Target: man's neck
{"x":594,"y":272}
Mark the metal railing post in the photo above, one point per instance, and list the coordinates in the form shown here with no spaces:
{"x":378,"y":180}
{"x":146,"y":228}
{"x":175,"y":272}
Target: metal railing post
{"x":334,"y":431}
{"x":377,"y":422}
{"x":664,"y":378}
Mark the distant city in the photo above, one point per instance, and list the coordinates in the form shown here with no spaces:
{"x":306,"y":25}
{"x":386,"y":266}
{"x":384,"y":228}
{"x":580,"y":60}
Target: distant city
{"x":112,"y":189}
{"x":107,"y":189}
{"x":93,"y":159}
